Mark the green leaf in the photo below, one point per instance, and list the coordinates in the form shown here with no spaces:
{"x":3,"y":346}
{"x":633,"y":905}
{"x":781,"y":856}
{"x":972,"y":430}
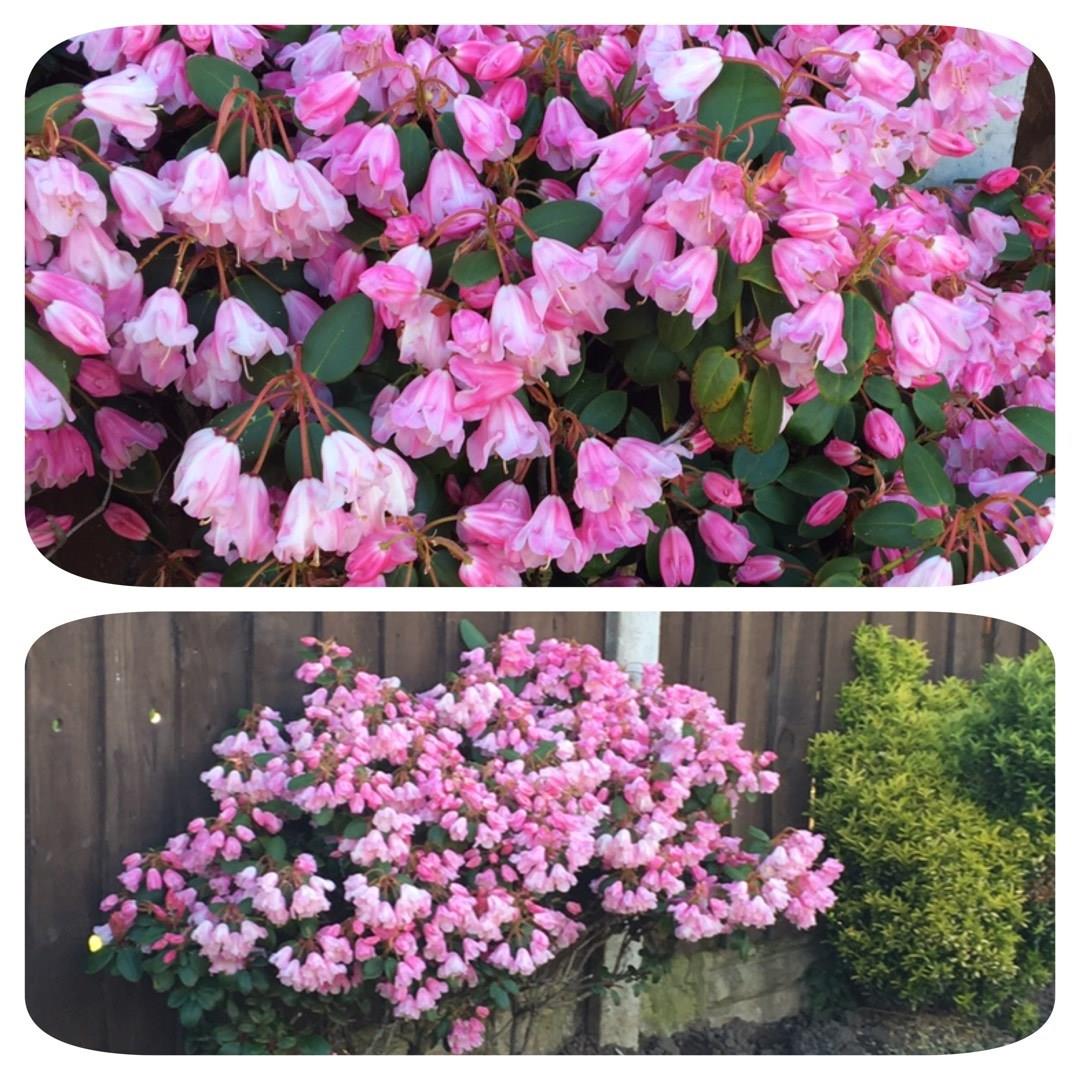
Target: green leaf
{"x":715,"y":379}
{"x":415,"y":156}
{"x":499,"y":996}
{"x":669,"y":403}
{"x":128,"y":964}
{"x":191,"y":1013}
{"x":1017,"y":248}
{"x":860,"y":330}
{"x":925,"y":477}
{"x":888,"y":524}
{"x":141,"y":478}
{"x":1040,"y":279}
{"x":275,"y":846}
{"x":605,"y":411}
{"x":882,"y":391}
{"x":471,"y":637}
{"x":738,"y":95}
{"x":779,"y":504}
{"x":675,"y":331}
{"x":814,"y":477}
{"x":812,"y":421}
{"x":929,"y":411}
{"x":639,"y":320}
{"x":764,"y":409}
{"x":726,"y":424}
{"x":1036,"y":424}
{"x":649,"y":363}
{"x":262,"y":298}
{"x":569,"y":220}
{"x":837,"y":389}
{"x":474,"y":268}
{"x":211,"y":78}
{"x":314,"y":1044}
{"x":727,"y":288}
{"x":757,"y":470}
{"x":338,"y":341}
{"x":98,"y":961}
{"x":39,"y":103}
{"x":759,"y":271}
{"x":298,"y":783}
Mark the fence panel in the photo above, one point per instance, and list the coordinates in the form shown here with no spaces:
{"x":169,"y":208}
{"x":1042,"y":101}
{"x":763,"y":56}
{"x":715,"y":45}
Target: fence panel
{"x":122,"y":710}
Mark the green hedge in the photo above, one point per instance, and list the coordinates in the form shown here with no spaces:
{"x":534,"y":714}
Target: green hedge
{"x":936,"y":905}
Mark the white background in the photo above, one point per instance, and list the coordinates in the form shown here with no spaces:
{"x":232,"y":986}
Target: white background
{"x":35,"y":596}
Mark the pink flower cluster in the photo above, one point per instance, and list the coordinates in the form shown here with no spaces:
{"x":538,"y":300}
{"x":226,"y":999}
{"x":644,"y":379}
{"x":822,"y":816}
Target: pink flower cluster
{"x":482,"y":825}
{"x":401,"y":170}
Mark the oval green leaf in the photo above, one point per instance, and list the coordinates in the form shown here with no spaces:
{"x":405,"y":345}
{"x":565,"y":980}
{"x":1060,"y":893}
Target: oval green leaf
{"x":715,"y":379}
{"x":341,"y":336}
{"x":649,"y":363}
{"x":888,"y":524}
{"x":925,"y":477}
{"x":741,"y":93}
{"x":569,"y":220}
{"x":211,"y":78}
{"x":765,"y":409}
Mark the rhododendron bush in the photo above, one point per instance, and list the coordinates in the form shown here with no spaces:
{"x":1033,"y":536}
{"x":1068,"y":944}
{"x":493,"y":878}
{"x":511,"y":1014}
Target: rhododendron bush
{"x":515,"y":305}
{"x":440,"y":861}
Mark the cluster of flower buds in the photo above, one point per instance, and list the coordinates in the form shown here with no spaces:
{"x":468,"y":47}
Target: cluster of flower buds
{"x":481,"y":826}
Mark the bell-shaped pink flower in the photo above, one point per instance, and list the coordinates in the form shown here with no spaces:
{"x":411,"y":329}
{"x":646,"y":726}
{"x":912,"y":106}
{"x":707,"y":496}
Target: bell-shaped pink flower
{"x":140,"y":197}
{"x":307,"y":505}
{"x":321,"y":104}
{"x":57,"y":458}
{"x":725,"y":541}
{"x":570,"y":292}
{"x":598,"y":471}
{"x":378,"y":553}
{"x":89,"y":253}
{"x":245,"y":530}
{"x":348,"y":467}
{"x":814,"y":333}
{"x":515,"y":323}
{"x":45,"y":405}
{"x":509,"y":432}
{"x":59,"y":193}
{"x":685,"y":283}
{"x":487,"y":133}
{"x":451,"y":188}
{"x":566,"y":141}
{"x":497,"y":519}
{"x":683,"y":75}
{"x":676,"y":558}
{"x":207,"y":474}
{"x":202,"y":190}
{"x":124,"y":439}
{"x":124,"y":100}
{"x":546,"y":535}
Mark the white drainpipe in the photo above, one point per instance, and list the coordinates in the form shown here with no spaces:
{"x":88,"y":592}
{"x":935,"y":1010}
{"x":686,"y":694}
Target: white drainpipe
{"x":633,"y":639}
{"x":995,"y":144}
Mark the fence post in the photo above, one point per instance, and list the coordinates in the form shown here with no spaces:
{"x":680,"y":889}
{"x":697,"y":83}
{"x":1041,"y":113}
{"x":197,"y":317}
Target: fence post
{"x":633,"y":639}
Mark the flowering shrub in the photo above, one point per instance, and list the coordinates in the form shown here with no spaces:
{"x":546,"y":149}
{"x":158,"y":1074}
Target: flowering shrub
{"x":503,"y":305}
{"x":440,"y":857}
{"x":946,"y":903}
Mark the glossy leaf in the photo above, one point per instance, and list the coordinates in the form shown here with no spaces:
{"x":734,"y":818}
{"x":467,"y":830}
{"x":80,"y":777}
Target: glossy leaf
{"x":888,"y":524}
{"x":569,"y":220}
{"x":605,"y":412}
{"x":212,"y":77}
{"x":764,"y":409}
{"x":1034,"y":423}
{"x":738,"y":95}
{"x":474,"y":268}
{"x":340,"y":338}
{"x":715,"y":379}
{"x":925,"y":476}
{"x":649,"y":363}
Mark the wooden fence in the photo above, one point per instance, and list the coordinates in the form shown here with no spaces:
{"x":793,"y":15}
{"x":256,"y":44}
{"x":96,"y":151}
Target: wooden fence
{"x":122,"y":710}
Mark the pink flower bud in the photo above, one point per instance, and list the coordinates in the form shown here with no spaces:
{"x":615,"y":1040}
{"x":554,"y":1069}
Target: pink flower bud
{"x":45,"y":406}
{"x":950,"y":143}
{"x":842,"y":453}
{"x":125,"y":522}
{"x":725,"y":541}
{"x":82,"y":331}
{"x":124,"y":100}
{"x":676,"y":558}
{"x":826,"y":509}
{"x":759,"y":569}
{"x":124,"y":439}
{"x":993,"y":183}
{"x":883,"y":434}
{"x":487,"y":133}
{"x":722,"y":490}
{"x":321,"y":105}
{"x":746,"y":238}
